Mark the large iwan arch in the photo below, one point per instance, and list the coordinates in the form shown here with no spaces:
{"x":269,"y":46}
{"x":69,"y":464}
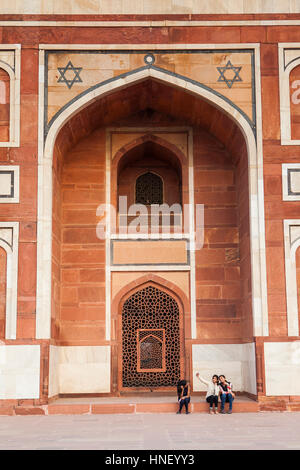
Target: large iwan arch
{"x":256,"y":197}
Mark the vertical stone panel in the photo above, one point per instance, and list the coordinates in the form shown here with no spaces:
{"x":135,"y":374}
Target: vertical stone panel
{"x":298,"y":279}
{"x":218,"y":264}
{"x":2,"y":291}
{"x":79,"y":296}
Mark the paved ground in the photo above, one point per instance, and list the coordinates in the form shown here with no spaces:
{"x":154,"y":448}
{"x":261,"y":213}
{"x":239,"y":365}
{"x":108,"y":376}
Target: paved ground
{"x":259,"y":431}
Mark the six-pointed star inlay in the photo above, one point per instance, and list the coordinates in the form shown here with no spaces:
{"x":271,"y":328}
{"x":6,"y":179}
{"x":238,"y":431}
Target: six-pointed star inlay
{"x":75,"y":72}
{"x":224,"y":77}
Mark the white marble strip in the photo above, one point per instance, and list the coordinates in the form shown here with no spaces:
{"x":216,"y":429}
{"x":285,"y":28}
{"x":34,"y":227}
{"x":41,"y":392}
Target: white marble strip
{"x":133,"y":47}
{"x":44,"y":223}
{"x":147,"y":267}
{"x":192,"y":236}
{"x":107,"y":239}
{"x":152,"y":24}
{"x":260,"y":277}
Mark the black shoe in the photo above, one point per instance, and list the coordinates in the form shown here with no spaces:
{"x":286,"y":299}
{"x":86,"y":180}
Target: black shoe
{"x":187,"y":412}
{"x":229,"y":412}
{"x":222,"y":412}
{"x":178,"y":412}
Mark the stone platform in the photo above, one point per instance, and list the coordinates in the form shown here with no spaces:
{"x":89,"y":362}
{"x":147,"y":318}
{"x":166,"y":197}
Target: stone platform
{"x":145,"y":404}
{"x":122,"y":405}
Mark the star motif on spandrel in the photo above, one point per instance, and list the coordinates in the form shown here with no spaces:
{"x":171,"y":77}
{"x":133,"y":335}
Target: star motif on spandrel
{"x":226,"y":77}
{"x":75,"y":71}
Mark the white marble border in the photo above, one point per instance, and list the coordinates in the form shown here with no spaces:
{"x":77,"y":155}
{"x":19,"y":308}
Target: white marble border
{"x":15,"y":80}
{"x":291,"y":243}
{"x":149,"y":7}
{"x":10,"y":246}
{"x":148,"y":24}
{"x":256,"y":192}
{"x":16,"y":198}
{"x":153,"y":47}
{"x":285,"y":185}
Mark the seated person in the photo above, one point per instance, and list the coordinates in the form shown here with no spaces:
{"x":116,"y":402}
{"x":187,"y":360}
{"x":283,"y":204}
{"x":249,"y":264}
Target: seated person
{"x":226,"y":393}
{"x":183,"y":393}
{"x":212,"y":393}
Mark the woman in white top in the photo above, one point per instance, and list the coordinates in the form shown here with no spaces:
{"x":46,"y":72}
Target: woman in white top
{"x":212,"y":392}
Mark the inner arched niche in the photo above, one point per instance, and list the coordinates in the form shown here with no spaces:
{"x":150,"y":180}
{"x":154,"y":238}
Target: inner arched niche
{"x":223,"y":266}
{"x":149,"y":162}
{"x":294,"y":81}
{"x":154,"y":158}
{"x":4,"y":105}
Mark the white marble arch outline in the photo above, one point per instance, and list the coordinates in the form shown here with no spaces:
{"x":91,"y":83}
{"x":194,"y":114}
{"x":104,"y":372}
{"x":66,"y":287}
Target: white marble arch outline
{"x":14,"y":84}
{"x":256,"y":194}
{"x":11,"y":249}
{"x":284,"y":92}
{"x":291,"y":244}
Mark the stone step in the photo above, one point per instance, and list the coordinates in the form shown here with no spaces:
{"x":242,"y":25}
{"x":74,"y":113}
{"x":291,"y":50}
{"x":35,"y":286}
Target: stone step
{"x":138,"y":405}
{"x":143,"y":407}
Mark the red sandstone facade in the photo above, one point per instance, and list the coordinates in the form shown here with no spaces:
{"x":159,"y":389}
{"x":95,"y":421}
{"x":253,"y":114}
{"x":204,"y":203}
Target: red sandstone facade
{"x":150,"y":124}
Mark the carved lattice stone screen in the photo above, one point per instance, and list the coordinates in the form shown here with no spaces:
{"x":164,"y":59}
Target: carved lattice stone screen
{"x":150,"y":337}
{"x":149,"y":189}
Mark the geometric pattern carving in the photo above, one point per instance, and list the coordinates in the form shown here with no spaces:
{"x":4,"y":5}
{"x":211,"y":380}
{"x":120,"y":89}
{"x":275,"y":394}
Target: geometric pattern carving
{"x":73,"y":78}
{"x":291,"y":181}
{"x":228,"y":78}
{"x":149,"y":189}
{"x":150,"y":316}
{"x":9,"y":184}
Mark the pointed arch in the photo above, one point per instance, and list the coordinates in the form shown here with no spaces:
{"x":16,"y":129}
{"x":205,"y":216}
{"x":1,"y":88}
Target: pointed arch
{"x":176,"y":157}
{"x":157,"y":281}
{"x":255,"y":164}
{"x":179,"y":324}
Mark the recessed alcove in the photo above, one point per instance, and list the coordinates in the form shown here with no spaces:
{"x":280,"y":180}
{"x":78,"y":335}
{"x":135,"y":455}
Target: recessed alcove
{"x":218,"y":150}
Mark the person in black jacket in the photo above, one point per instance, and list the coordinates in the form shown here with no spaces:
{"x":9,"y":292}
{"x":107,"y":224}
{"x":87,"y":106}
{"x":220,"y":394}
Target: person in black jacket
{"x":183,"y":393}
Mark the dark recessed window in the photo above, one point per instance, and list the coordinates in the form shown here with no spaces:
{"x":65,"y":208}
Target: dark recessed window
{"x":149,"y":189}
